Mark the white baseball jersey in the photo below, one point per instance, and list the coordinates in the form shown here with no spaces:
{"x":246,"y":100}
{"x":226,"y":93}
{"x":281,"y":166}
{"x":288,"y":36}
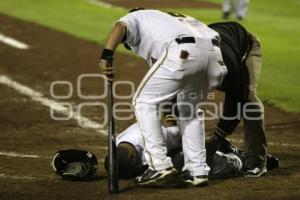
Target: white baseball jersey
{"x":148,"y":35}
{"x":225,"y":165}
{"x":133,"y":136}
{"x":222,"y":165}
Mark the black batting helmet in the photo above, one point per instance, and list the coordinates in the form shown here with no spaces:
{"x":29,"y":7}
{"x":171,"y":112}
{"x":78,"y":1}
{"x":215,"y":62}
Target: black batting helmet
{"x":74,"y":164}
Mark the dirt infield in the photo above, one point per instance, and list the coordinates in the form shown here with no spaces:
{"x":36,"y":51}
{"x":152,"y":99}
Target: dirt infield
{"x":33,"y":136}
{"x":154,"y":4}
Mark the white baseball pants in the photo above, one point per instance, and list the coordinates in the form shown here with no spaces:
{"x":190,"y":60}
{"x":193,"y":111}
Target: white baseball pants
{"x":241,"y":7}
{"x":190,"y":79}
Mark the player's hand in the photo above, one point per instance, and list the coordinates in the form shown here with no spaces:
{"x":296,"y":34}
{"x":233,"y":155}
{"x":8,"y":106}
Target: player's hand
{"x":106,"y":68}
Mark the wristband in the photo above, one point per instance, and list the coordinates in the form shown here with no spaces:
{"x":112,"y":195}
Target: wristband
{"x":107,"y":54}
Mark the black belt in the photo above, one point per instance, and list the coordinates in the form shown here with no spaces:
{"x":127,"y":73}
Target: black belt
{"x":183,"y":40}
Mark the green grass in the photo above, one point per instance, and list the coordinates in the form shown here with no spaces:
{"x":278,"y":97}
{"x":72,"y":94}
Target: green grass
{"x":276,"y":22}
{"x":76,"y":17}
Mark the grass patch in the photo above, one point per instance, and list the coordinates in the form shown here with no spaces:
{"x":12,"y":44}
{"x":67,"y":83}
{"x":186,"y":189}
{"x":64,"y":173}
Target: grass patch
{"x":76,"y":17}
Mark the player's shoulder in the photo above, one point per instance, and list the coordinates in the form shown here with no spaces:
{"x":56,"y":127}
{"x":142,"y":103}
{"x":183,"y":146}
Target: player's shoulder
{"x":140,"y":15}
{"x":231,"y":29}
{"x":143,"y":11}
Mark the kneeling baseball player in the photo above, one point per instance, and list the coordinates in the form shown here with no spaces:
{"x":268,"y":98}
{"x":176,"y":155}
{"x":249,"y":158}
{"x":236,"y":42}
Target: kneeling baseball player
{"x":242,"y":55}
{"x":227,"y":161}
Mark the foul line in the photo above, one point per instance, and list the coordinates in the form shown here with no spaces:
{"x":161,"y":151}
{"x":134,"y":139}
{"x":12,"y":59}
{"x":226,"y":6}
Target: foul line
{"x":20,"y":155}
{"x":17,"y":177}
{"x":103,"y":4}
{"x":54,"y":105}
{"x":272,"y":143}
{"x":13,"y":154}
{"x":12,"y":42}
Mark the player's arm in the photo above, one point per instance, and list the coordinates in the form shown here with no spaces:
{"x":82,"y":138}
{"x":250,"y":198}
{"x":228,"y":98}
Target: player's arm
{"x":113,"y":40}
{"x":115,"y":36}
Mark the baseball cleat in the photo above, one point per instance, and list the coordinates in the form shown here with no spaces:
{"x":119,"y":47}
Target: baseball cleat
{"x":188,"y":180}
{"x":255,"y":172}
{"x":153,"y":177}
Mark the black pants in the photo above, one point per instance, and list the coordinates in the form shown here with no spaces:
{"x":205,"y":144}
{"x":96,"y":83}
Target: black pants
{"x":241,"y":102}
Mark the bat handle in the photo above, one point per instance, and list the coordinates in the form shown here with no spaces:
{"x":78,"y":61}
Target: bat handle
{"x":109,"y":65}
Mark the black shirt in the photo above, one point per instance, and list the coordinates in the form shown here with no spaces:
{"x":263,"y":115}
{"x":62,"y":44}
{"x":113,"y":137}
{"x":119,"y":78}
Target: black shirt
{"x":236,"y":42}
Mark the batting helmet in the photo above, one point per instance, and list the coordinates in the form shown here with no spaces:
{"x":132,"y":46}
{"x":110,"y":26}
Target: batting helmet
{"x":74,"y":164}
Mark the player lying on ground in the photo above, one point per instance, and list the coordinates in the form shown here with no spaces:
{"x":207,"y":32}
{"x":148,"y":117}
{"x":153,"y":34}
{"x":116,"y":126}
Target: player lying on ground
{"x":228,"y":161}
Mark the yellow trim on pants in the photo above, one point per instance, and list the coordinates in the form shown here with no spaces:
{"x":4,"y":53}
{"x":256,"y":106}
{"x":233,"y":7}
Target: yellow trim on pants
{"x":139,"y":89}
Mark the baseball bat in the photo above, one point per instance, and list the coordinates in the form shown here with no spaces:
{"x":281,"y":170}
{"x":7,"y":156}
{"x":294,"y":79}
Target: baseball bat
{"x":113,"y":180}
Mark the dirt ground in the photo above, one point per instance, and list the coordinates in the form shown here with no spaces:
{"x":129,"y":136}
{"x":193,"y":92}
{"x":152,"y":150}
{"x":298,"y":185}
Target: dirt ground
{"x":26,"y":127}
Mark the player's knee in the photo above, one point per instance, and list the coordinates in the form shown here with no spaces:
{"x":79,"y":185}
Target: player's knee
{"x":254,"y":106}
{"x":256,"y":47}
{"x":186,"y":110}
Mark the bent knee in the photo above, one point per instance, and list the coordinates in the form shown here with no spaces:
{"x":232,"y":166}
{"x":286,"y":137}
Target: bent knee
{"x":256,"y":47}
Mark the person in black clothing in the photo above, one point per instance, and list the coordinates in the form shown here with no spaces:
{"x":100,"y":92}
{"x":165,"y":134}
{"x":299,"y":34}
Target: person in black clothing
{"x":242,"y":55}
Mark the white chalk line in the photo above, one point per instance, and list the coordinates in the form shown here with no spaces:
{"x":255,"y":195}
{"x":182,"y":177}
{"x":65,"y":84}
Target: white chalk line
{"x":272,"y":143}
{"x":13,"y":42}
{"x":19,"y":155}
{"x":283,"y":144}
{"x":103,"y":4}
{"x":54,"y":105}
{"x":2,"y":175}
